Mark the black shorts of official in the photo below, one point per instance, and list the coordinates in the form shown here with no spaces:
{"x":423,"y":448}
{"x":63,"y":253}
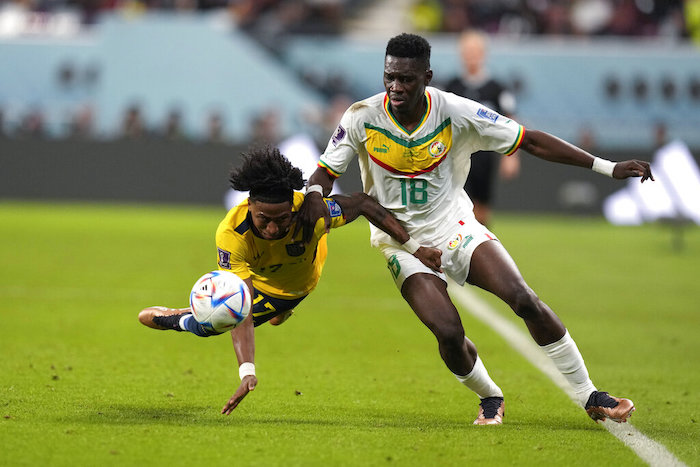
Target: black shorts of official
{"x":480,"y":181}
{"x":266,"y":307}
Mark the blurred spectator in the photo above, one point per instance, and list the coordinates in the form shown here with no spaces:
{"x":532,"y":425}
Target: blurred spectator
{"x":172,"y":129}
{"x":426,"y":15}
{"x":270,"y":20}
{"x":692,"y":19}
{"x":215,"y":128}
{"x":586,"y":139}
{"x":266,"y":128}
{"x":626,"y":20}
{"x":660,"y":135}
{"x":335,"y":110}
{"x":556,"y":20}
{"x":32,"y":125}
{"x":590,"y":16}
{"x":563,"y":17}
{"x":475,"y":83}
{"x":455,"y":16}
{"x":82,"y":123}
{"x":133,"y":126}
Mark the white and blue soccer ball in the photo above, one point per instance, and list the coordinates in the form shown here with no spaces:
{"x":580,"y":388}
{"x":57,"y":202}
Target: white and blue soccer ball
{"x":220,"y":301}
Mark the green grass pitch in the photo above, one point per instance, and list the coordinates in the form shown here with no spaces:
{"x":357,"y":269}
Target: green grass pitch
{"x":352,"y":378}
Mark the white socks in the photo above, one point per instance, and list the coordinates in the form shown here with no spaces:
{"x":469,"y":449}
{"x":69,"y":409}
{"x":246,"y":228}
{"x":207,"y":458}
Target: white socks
{"x":569,"y":362}
{"x":565,"y":356}
{"x":479,"y":381}
{"x":181,"y":323}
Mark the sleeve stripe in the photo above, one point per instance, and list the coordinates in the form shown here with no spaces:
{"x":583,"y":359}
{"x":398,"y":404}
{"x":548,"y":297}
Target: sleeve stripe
{"x":330,"y":171}
{"x":518,"y":141}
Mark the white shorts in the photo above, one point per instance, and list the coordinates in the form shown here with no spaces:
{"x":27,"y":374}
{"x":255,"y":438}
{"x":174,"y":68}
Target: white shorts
{"x":457,"y":250}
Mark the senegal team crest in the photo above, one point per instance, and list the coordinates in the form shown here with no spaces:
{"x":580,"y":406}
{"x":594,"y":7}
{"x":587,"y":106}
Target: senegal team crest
{"x":454,"y":243}
{"x":437,"y":149}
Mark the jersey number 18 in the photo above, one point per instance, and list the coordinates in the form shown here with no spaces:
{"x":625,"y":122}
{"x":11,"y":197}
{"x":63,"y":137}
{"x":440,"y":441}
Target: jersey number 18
{"x":414,"y":190}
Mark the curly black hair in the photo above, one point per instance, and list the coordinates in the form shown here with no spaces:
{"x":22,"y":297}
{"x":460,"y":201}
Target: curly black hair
{"x":267,"y":175}
{"x":409,"y":46}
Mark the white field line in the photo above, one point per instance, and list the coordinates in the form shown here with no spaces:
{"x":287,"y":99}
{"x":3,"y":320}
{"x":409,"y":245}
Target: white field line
{"x":648,"y":450}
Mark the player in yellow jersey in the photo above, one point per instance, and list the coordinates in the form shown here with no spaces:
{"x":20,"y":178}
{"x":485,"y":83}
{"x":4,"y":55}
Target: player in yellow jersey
{"x":414,"y":143}
{"x":257,"y":241}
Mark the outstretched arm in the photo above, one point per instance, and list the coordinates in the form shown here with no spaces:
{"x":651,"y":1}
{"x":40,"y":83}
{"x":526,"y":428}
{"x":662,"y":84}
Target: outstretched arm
{"x":319,"y":185}
{"x":358,"y":204}
{"x":553,"y":149}
{"x":243,"y":337}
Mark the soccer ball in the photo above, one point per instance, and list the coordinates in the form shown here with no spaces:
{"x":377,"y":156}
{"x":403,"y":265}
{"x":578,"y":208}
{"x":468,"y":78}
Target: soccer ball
{"x":220,"y":300}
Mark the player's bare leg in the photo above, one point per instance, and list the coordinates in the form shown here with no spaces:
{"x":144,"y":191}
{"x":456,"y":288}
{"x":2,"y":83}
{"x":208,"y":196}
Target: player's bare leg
{"x":494,"y":270}
{"x":427,"y":296}
{"x":281,"y":318}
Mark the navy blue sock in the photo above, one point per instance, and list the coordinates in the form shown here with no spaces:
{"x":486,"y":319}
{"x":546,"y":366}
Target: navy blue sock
{"x":190,"y":324}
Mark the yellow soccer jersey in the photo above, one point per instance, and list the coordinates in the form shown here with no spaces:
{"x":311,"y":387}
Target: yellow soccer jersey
{"x":284,"y":268}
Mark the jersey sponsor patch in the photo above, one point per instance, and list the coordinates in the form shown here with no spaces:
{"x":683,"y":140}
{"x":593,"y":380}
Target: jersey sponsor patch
{"x":333,"y":208}
{"x":224,"y":258}
{"x":487,"y":114}
{"x":338,"y":135}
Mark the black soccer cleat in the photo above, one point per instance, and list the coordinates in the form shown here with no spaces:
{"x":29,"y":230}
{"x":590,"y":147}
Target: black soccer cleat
{"x":160,"y":317}
{"x":602,"y":405}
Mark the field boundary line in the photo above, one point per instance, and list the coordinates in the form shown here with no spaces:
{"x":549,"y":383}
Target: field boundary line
{"x":647,"y":449}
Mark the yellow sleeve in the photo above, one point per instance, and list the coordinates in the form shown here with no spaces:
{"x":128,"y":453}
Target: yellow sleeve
{"x":232,"y":251}
{"x":337,"y":216}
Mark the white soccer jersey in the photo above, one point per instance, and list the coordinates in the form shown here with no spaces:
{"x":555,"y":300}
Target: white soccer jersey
{"x":419,"y":176}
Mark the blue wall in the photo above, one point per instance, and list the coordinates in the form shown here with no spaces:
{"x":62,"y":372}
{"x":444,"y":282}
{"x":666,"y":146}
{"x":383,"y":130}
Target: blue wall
{"x":197,"y":63}
{"x":563,"y":81}
{"x":194,"y":62}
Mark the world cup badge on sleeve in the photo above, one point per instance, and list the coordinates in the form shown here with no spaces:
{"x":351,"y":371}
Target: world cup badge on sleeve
{"x":338,"y":135}
{"x":333,"y":208}
{"x":224,"y":258}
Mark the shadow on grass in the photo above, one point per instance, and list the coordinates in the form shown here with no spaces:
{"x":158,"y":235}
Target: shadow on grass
{"x":125,"y":414}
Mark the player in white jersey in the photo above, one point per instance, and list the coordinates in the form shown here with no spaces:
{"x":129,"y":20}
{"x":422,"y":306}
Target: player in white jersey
{"x":413,"y":144}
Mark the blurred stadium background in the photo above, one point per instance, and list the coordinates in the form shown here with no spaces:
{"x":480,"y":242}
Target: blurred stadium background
{"x":153,"y":100}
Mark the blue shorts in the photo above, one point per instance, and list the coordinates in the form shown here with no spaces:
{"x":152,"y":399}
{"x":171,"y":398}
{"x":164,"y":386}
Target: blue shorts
{"x":266,"y":307}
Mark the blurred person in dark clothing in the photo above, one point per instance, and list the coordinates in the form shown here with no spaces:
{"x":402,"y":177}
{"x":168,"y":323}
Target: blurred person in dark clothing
{"x":476,"y":84}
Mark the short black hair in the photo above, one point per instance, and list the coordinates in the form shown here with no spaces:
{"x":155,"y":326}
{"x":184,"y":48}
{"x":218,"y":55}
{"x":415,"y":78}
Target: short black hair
{"x":409,"y":46}
{"x":267,"y":175}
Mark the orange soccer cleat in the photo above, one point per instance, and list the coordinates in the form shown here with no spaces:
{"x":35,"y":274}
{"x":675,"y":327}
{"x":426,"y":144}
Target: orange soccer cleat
{"x":491,"y":411}
{"x":602,"y":405}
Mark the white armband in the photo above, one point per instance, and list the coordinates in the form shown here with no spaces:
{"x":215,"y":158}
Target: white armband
{"x":603,"y":166}
{"x":246,"y":369}
{"x":410,"y":245}
{"x":314,"y":188}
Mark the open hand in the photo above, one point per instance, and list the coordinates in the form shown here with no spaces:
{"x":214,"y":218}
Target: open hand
{"x":309,"y":213}
{"x":247,"y":384}
{"x":633,"y":168}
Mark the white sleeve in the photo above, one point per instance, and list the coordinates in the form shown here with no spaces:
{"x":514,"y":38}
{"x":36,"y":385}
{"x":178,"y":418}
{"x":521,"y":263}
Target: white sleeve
{"x":489,"y":130}
{"x":342,"y":147}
